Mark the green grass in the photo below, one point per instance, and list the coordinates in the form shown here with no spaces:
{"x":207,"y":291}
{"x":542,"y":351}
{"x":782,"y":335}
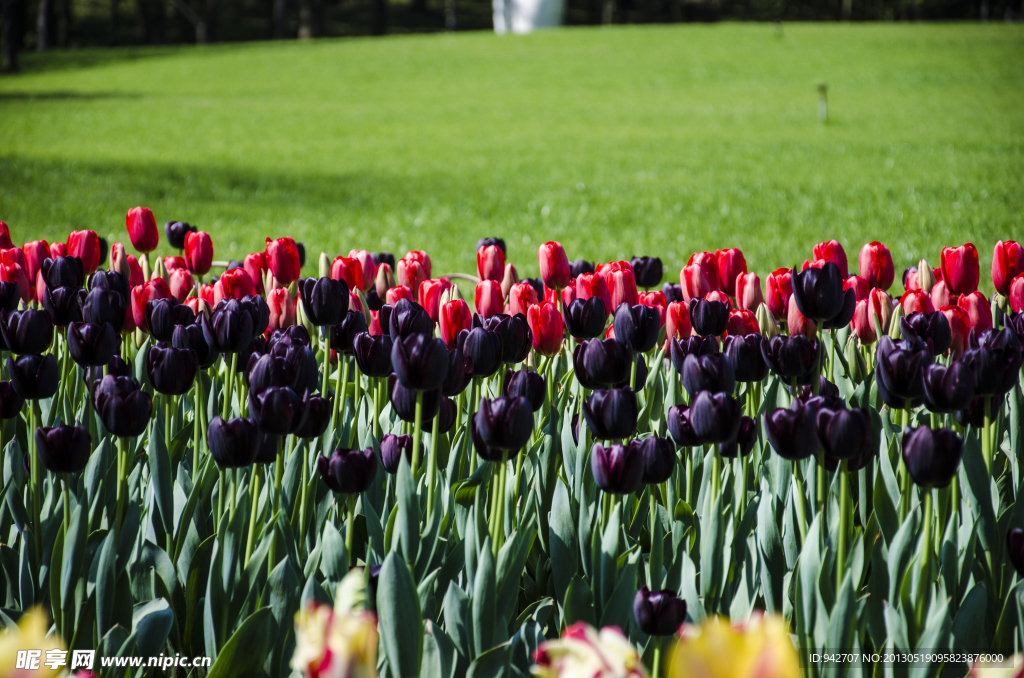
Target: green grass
{"x":655,"y":140}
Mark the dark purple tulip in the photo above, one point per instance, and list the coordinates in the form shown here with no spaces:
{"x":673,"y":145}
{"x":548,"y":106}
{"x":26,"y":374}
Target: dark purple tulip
{"x":302,"y":361}
{"x":278,"y":410}
{"x":34,"y":377}
{"x":579,"y":368}
{"x":171,"y":370}
{"x":63,"y":449}
{"x":10,"y":401}
{"x":348,"y":471}
{"x":715,"y":417}
{"x":659,"y":456}
{"x":191,"y":336}
{"x":250,"y":354}
{"x":1016,"y":323}
{"x":672,"y":292}
{"x":384,"y":317}
{"x":637,"y":326}
{"x":489,"y":242}
{"x":611,"y":414}
{"x":845,"y":313}
{"x":516,"y":336}
{"x":163,"y":315}
{"x":948,"y":389}
{"x":10,"y":295}
{"x":932,"y":456}
{"x":617,"y":469}
{"x":392,"y":447}
{"x":104,"y":306}
{"x":932,"y":328}
{"x":301,"y":249}
{"x":268,"y":370}
{"x":483,"y":348}
{"x":607,"y":361}
{"x":229,"y":329}
{"x":460,"y":373}
{"x":900,"y":370}
{"x":403,"y":401}
{"x":679,"y":427}
{"x":266,"y":448}
{"x":793,"y":432}
{"x":680,"y":348}
{"x":123,"y":407}
{"x":373,"y":353}
{"x":486,"y":452}
{"x":63,"y":272}
{"x":708,"y":373}
{"x":373,"y":301}
{"x":504,"y":423}
{"x":420,"y":361}
{"x":27,"y":332}
{"x":641,"y":373}
{"x":709,"y":317}
{"x":383,"y":258}
{"x":1015,"y":549}
{"x":64,"y":304}
{"x":658,"y":613}
{"x":744,"y":353}
{"x":647,"y":271}
{"x":446,"y":413}
{"x":526,"y":384}
{"x":111,"y":281}
{"x":826,"y":389}
{"x":844,"y":434}
{"x":744,"y":442}
{"x":408,"y":318}
{"x":92,"y":344}
{"x":818,"y":292}
{"x":995,"y":361}
{"x":791,"y":357}
{"x":324,"y":300}
{"x":116,"y":367}
{"x":317,"y":418}
{"x":585,"y":318}
{"x":579,"y":267}
{"x":343,"y":335}
{"x":258,"y":310}
{"x":234,"y":443}
{"x":176,"y":232}
{"x":294,"y":335}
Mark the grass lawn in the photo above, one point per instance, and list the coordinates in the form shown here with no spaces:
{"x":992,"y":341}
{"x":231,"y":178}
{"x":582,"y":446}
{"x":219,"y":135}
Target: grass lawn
{"x":630,"y":140}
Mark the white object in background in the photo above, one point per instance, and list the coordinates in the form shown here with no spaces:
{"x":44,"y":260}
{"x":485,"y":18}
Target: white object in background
{"x":524,"y":16}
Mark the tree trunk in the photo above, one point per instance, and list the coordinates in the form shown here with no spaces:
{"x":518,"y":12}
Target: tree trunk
{"x":113,"y":21}
{"x":305,"y":19}
{"x":608,"y":12}
{"x":449,"y":15}
{"x":44,"y":25}
{"x":280,"y":20}
{"x":64,"y":24}
{"x":379,"y":17}
{"x":13,"y":16}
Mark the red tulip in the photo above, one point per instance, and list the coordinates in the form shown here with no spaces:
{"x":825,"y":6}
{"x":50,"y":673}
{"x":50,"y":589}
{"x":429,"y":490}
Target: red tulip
{"x":960,"y":269}
{"x":730,"y":265}
{"x":255,"y":265}
{"x":200,"y":305}
{"x":509,"y":279}
{"x":236,"y":284}
{"x":916,"y":301}
{"x":35,"y":252}
{"x":1017,"y":293}
{"x":655,"y":300}
{"x":546,"y":324}
{"x":913,"y":282}
{"x":959,"y":326}
{"x":677,"y":321}
{"x":876,"y":265}
{"x":862,"y":324}
{"x":14,"y":272}
{"x":410,"y":273}
{"x":622,"y":286}
{"x":282,"y":308}
{"x":748,"y":292}
{"x":174,"y":262}
{"x":181,"y":283}
{"x":880,"y":304}
{"x":454,"y":317}
{"x":142,"y":230}
{"x":861,"y":288}
{"x":831,"y":250}
{"x":817,"y":263}
{"x":521,"y":297}
{"x":719,"y":295}
{"x":354,"y":302}
{"x":780,"y":289}
{"x":365,"y":260}
{"x":798,"y":324}
{"x":594,"y":285}
{"x":976,"y":306}
{"x":283,"y":260}
{"x":218,"y":293}
{"x":694,"y":282}
{"x":490,"y":263}
{"x":58,"y":249}
{"x":568,"y":293}
{"x":146,"y":292}
{"x":40,"y":288}
{"x":430,"y":295}
{"x":5,"y":236}
{"x":422,"y":257}
{"x":487,"y":298}
{"x":207,"y":291}
{"x":1007,"y":263}
{"x":199,"y":252}
{"x":554,"y":265}
{"x":375,"y":328}
{"x":708,"y":263}
{"x":550,"y":296}
{"x":349,"y":270}
{"x":86,"y":245}
{"x":384,"y":279}
{"x":742,"y":322}
{"x":398,"y":292}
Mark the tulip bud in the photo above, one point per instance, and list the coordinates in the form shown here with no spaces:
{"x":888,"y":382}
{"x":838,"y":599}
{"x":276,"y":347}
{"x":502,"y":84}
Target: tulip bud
{"x":348,"y":471}
{"x":611,"y":414}
{"x":925,"y":277}
{"x":393,"y":448}
{"x":617,"y":469}
{"x":894,"y":323}
{"x":324,"y":265}
{"x":508,"y":280}
{"x":855,"y":359}
{"x":932,"y":456}
{"x":142,"y":230}
{"x":160,"y":271}
{"x":385,"y":280}
{"x":766,"y":321}
{"x":658,"y":613}
{"x":63,"y":449}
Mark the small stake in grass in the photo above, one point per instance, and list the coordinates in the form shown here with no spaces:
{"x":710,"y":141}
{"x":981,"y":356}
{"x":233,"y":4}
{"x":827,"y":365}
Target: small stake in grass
{"x":823,"y":101}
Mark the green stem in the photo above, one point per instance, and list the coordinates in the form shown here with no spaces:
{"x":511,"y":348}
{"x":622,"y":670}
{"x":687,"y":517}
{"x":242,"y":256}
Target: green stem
{"x":67,"y":502}
{"x":500,"y":522}
{"x":844,"y":525}
{"x":122,"y":480}
{"x":417,"y":433}
{"x":632,"y":374}
{"x":167,"y":424}
{"x":801,"y":500}
{"x":986,"y":435}
{"x":304,"y":497}
{"x":350,"y":528}
{"x":716,"y":476}
{"x":278,"y":475}
{"x":656,"y":668}
{"x":234,"y":493}
{"x":355,"y":404}
{"x":925,"y":581}
{"x":655,"y":558}
{"x":253,"y":512}
{"x":229,"y":388}
{"x":376,"y":408}
{"x":432,"y":463}
{"x":196,"y":428}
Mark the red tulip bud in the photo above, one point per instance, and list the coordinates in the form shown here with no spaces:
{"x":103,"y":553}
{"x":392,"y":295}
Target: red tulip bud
{"x":780,"y":289}
{"x":731,"y":265}
{"x":510,"y":278}
{"x":880,"y":307}
{"x":399,"y":292}
{"x":348,"y":269}
{"x":546,"y":324}
{"x":86,"y":245}
{"x":410,"y":273}
{"x":521,"y":297}
{"x":365,"y":260}
{"x":657,"y":301}
{"x":861,"y":288}
{"x":1007,"y":263}
{"x":487,"y":300}
{"x":423,"y":258}
{"x":490,"y":263}
{"x":142,"y":230}
{"x":959,"y":327}
{"x":708,"y":263}
{"x":148,"y":291}
{"x":677,"y":321}
{"x":199,"y":252}
{"x":236,"y":284}
{"x":282,"y":308}
{"x":742,"y":322}
{"x":1017,"y":293}
{"x":283,"y":260}
{"x":58,"y":249}
{"x":35,"y":252}
{"x":960,"y":268}
{"x":916,"y":301}
{"x":384,"y":279}
{"x":5,"y":236}
{"x":978,"y":311}
{"x":862,"y":323}
{"x":430,"y":295}
{"x":454,"y":317}
{"x":832,"y":251}
{"x":255,"y":265}
{"x":876,"y":265}
{"x":748,"y":292}
{"x":554,"y":265}
{"x":798,"y":323}
{"x":181,"y":283}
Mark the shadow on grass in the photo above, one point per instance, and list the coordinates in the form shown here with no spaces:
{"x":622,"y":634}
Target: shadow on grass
{"x":92,"y":57}
{"x":64,"y":96}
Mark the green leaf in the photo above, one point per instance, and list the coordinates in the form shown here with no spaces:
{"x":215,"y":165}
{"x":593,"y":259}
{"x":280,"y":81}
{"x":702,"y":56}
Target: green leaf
{"x":578,"y":604}
{"x":333,"y":558}
{"x":484,"y":600}
{"x":106,"y":591}
{"x":456,"y":619}
{"x":151,"y":624}
{"x":398,"y":609}
{"x":408,"y":521}
{"x":491,"y":664}
{"x":246,"y":650}
{"x":160,"y":472}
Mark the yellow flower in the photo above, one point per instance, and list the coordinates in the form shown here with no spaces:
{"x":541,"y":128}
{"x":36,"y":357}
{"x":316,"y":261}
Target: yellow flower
{"x":339,"y":642}
{"x":1015,"y":670}
{"x":583,"y":652}
{"x":761,"y":648}
{"x":30,"y":634}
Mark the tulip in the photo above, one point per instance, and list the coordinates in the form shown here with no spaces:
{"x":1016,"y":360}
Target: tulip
{"x":234,"y":443}
{"x":582,"y":651}
{"x":344,"y":333}
{"x":741,"y":323}
{"x":229,"y":329}
{"x":176,"y":232}
{"x":916,"y":301}
{"x":142,"y":229}
{"x":5,"y":236}
{"x":521,"y":297}
{"x":181,"y":284}
{"x":680,"y":348}
{"x":832,"y":251}
{"x":948,"y":389}
{"x":791,"y":358}
{"x":659,"y":458}
{"x":384,"y":279}
{"x":761,"y":648}
{"x":743,"y":444}
{"x":708,"y":263}
{"x":617,"y":469}
{"x":592,"y":285}
{"x":15,"y":273}
{"x":748,"y":292}
{"x":236,"y":284}
{"x":694,"y":282}
{"x":844,"y":434}
{"x":35,"y":253}
{"x":580,"y":266}
{"x":995,"y":361}
{"x":403,"y":401}
{"x":122,"y":406}
{"x":171,"y":370}
{"x":585,"y":319}
{"x":1016,"y":293}
{"x":408,"y":318}
{"x":34,"y":377}
{"x":504,"y":423}
{"x":793,"y":432}
{"x":490,"y":263}
{"x":680,"y":428}
{"x":712,"y":372}
{"x":367,"y":268}
{"x":191,"y":336}
{"x":879,"y":312}
{"x":487,"y":299}
{"x":10,"y":295}
{"x":420,"y":362}
{"x":163,"y":315}
{"x":959,"y":328}
{"x":978,"y":311}
{"x":780,"y":289}
{"x":104,"y":306}
{"x":63,"y":304}
{"x":349,"y":271}
{"x":607,"y":361}
{"x":932,"y":328}
{"x":63,"y":272}
{"x":960,"y":268}
{"x":26,"y":332}
{"x":410,"y":273}
{"x":318,"y":417}
{"x":658,"y":613}
{"x":546,"y":326}
{"x":392,"y":448}
{"x":744,"y":354}
{"x":1007,"y":263}
{"x":324,"y":300}
{"x":932,"y":456}
{"x":63,"y":449}
{"x":516,"y":336}
{"x":141,"y":296}
{"x":1015,"y":549}
{"x":278,"y":410}
{"x":818,"y":292}
{"x":255,"y":265}
{"x":282,"y":257}
{"x":876,"y":265}
{"x":348,"y":471}
{"x":657,"y":301}
{"x":715,"y":418}
{"x":92,"y":344}
{"x":900,"y":370}
{"x":709,"y":318}
{"x":264,"y":371}
{"x":198,"y":252}
{"x":1016,"y":323}
{"x":677,"y":321}
{"x":460,"y":373}
{"x":612,"y":413}
{"x":647,"y":271}
{"x":845,"y":316}
{"x":454,"y":317}
{"x":730,"y":266}
{"x":622,"y":287}
{"x":373,"y":354}
{"x":483,"y":350}
{"x":554,"y":265}
{"x":399,"y":292}
{"x":282,"y":308}
{"x":859,"y":285}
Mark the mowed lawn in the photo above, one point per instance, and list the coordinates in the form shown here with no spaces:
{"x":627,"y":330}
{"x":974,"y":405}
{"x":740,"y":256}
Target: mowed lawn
{"x":622,"y":141}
